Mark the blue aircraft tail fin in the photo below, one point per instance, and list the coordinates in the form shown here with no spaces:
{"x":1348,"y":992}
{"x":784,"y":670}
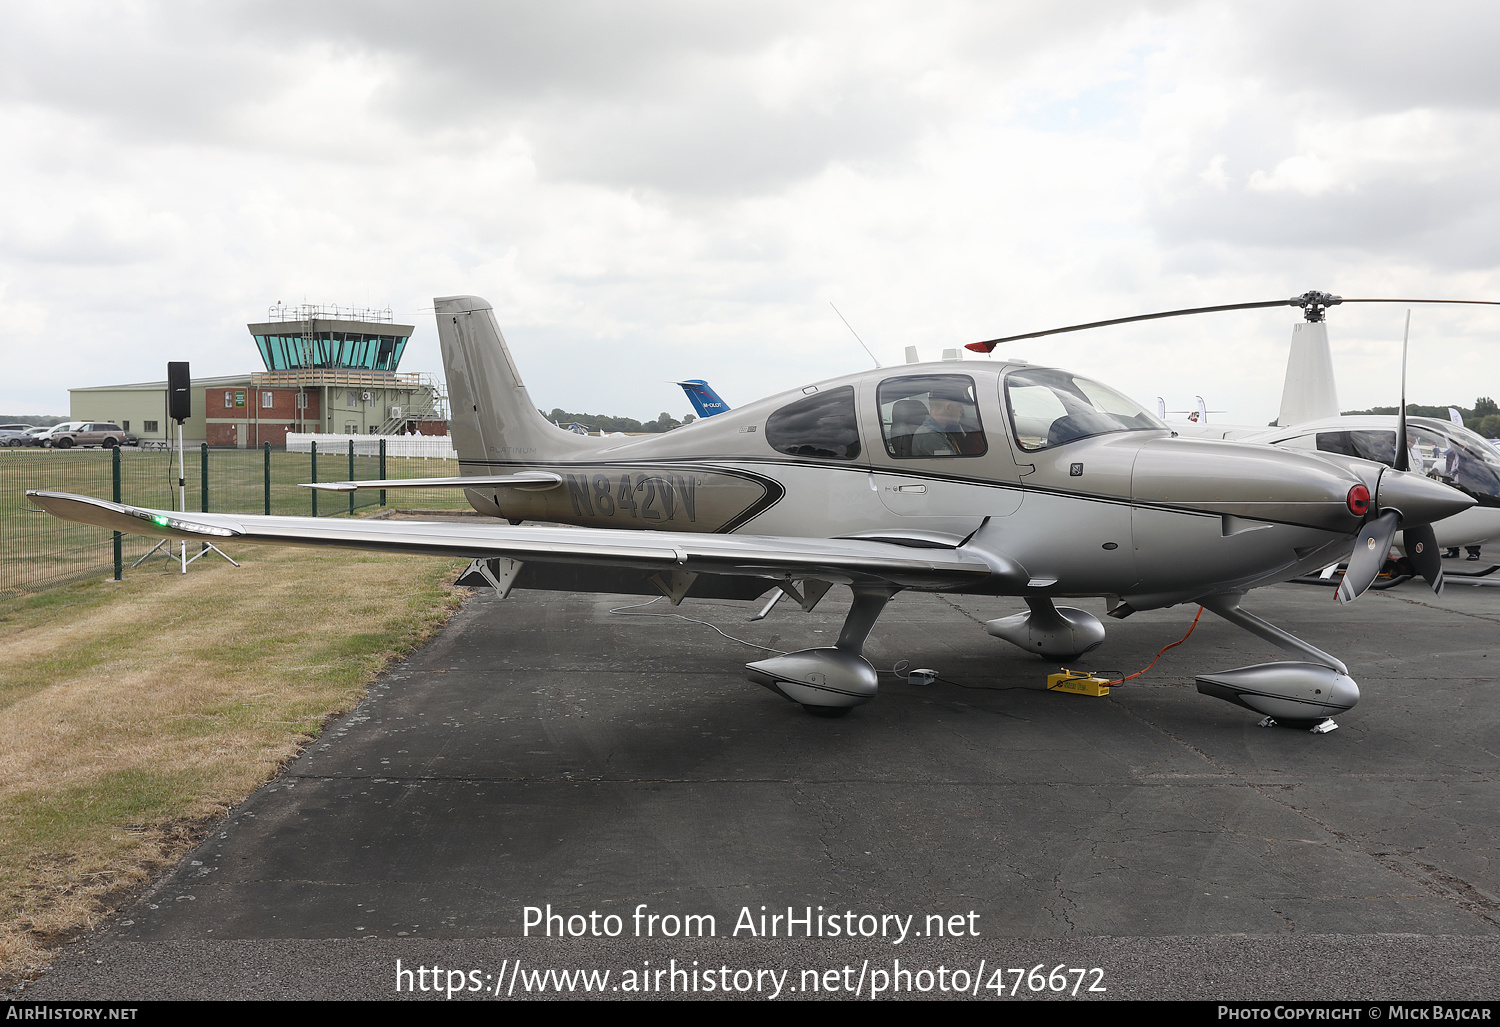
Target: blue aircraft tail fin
{"x":704,"y":399}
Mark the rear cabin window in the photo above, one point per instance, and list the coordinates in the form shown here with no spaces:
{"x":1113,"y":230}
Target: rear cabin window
{"x":822,"y":425}
{"x":930,"y":416}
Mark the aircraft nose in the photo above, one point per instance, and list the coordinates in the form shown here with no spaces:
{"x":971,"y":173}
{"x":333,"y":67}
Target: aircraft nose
{"x":1420,"y":499}
{"x":1251,"y":481}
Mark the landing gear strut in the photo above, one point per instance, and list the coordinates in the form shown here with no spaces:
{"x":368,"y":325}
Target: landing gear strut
{"x":1302,"y":694}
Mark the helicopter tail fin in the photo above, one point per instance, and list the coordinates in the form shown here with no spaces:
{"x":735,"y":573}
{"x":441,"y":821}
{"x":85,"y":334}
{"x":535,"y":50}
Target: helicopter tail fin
{"x":1309,"y":393}
{"x":495,"y":423}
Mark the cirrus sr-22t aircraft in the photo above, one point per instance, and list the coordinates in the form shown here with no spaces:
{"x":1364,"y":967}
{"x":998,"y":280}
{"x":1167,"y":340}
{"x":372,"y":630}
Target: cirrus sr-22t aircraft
{"x":1002,"y":479}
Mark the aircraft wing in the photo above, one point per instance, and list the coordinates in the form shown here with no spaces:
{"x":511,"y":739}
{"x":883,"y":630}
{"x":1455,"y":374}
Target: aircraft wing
{"x":847,"y":561}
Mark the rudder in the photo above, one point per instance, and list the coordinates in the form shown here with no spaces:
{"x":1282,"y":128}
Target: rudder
{"x":494,"y":422}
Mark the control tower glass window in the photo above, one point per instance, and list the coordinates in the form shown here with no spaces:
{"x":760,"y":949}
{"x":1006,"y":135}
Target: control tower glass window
{"x":333,"y":350}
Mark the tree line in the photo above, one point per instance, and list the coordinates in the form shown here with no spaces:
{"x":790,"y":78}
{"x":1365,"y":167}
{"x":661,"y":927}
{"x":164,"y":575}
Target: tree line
{"x":606,"y":423}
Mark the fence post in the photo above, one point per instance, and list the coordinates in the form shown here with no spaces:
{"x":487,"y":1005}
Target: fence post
{"x":119,"y":551}
{"x":268,"y":478}
{"x":203,"y":483}
{"x":351,"y":476}
{"x":382,"y":469}
{"x":314,"y":450}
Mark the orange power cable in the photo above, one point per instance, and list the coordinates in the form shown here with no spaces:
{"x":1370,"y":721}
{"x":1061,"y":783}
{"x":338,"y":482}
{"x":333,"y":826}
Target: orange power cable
{"x":1174,"y":645}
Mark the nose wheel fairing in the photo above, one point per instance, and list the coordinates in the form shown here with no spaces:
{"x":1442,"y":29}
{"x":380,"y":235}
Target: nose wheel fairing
{"x":1297,"y":692}
{"x":1290,"y":692}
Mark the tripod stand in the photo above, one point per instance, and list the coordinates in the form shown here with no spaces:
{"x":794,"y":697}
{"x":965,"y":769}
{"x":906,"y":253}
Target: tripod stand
{"x":182,"y":508}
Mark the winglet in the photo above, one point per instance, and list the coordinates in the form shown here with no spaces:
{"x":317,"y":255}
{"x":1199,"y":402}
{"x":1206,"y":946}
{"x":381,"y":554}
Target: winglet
{"x":131,"y":519}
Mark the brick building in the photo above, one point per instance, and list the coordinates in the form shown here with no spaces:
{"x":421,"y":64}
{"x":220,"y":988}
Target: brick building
{"x":327,"y":370}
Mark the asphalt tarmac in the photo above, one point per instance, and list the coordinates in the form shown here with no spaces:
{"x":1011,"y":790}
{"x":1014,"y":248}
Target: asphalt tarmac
{"x":1155,"y":843}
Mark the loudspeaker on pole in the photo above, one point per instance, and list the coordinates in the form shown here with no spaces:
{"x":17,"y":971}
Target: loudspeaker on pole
{"x":179,"y":391}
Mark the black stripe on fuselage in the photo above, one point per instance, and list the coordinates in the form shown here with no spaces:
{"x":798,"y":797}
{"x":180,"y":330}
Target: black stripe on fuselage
{"x":1021,"y":486}
{"x":775,"y":491}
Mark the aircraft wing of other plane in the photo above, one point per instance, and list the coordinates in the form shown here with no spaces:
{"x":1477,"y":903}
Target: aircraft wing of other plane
{"x":860,"y":561}
{"x":531,"y":480}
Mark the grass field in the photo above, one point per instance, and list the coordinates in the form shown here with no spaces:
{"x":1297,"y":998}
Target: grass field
{"x":134,"y":714}
{"x":38,"y":551}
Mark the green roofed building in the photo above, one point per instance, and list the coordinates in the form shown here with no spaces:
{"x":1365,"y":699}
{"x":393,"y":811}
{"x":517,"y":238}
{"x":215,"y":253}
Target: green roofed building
{"x":329,"y":370}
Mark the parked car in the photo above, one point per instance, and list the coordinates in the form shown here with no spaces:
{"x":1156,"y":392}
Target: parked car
{"x":87,"y":433}
{"x":34,"y":436}
{"x":14,"y":434}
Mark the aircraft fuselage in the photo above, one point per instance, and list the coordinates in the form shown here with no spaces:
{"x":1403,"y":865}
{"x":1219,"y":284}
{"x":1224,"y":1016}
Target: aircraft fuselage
{"x":1134,"y":513}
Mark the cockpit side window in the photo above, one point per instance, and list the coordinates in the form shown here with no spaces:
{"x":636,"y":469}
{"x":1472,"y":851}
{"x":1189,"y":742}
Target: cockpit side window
{"x":930,"y":416}
{"x":822,"y":425}
{"x":1379,"y":446}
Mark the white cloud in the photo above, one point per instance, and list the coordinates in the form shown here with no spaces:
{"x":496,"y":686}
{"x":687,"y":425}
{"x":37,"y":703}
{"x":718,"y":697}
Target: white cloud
{"x":662,"y":189}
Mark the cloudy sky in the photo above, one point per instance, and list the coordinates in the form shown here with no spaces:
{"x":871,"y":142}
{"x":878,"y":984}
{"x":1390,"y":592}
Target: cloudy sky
{"x":659,"y":189}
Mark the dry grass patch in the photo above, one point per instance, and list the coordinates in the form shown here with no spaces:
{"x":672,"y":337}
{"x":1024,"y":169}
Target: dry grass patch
{"x":133,"y":714}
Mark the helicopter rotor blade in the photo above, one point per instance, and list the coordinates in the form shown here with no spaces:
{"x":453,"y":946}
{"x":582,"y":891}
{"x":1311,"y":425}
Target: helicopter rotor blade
{"x":1313,"y":304}
{"x":986,"y":346}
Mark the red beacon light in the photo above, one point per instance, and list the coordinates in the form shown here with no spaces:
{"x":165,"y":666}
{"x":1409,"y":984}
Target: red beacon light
{"x":1358,"y":500}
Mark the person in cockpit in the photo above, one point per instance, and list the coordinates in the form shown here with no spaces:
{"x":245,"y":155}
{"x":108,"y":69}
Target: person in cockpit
{"x":946,"y":430}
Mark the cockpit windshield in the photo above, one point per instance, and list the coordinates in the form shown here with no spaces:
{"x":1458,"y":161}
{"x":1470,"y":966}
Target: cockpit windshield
{"x":1049,"y":407}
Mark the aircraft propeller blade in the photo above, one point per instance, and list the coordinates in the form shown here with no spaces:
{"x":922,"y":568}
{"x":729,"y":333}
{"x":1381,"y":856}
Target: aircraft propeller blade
{"x":1371,"y":547}
{"x":1402,"y":460}
{"x":1420,"y":543}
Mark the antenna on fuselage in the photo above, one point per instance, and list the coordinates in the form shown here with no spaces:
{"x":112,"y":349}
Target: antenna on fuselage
{"x":856,"y":334}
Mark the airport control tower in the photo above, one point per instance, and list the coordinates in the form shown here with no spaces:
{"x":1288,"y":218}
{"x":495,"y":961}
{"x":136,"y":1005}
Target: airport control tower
{"x":329,"y":370}
{"x":335,"y":368}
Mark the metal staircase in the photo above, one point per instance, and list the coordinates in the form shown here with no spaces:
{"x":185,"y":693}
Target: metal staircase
{"x":429,"y":404}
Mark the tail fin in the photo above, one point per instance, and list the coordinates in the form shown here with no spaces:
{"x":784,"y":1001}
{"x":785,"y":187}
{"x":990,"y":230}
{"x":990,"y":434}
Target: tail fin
{"x":704,"y":399}
{"x":494,"y":420}
{"x":1308,"y":393}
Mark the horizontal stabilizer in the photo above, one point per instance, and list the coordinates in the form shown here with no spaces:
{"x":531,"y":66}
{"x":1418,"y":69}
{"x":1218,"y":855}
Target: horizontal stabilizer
{"x":532,"y":481}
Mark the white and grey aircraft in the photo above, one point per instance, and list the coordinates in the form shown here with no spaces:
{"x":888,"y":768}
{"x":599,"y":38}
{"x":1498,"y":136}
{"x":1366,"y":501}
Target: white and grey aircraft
{"x":1002,"y":479}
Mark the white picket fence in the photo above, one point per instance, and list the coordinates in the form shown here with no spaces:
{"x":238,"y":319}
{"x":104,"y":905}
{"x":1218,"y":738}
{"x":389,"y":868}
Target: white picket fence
{"x":437,"y":446}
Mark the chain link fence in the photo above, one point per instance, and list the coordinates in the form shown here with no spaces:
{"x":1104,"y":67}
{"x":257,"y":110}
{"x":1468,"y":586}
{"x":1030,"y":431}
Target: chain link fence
{"x":39,"y":551}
